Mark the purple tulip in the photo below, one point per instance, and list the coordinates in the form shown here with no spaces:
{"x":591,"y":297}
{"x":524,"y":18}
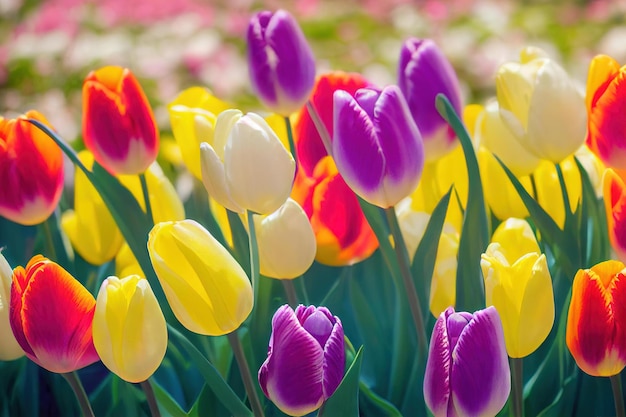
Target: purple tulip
{"x":305,"y":360}
{"x":467,"y":373}
{"x":280,"y":61}
{"x":424,"y":72}
{"x":376,"y":144}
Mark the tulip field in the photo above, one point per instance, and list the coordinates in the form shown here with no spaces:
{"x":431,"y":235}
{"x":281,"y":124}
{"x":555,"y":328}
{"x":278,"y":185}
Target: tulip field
{"x":312,"y":208}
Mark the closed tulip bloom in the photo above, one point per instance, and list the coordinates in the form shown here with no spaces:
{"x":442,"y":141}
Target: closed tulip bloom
{"x":467,"y":372}
{"x":280,"y":61}
{"x":247,"y":167}
{"x":129,"y":329}
{"x":606,"y":101}
{"x":207,"y":289}
{"x":548,"y":187}
{"x":192,"y":115}
{"x":423,"y":72}
{"x":31,"y":171}
{"x":596,"y":335}
{"x":541,"y":105}
{"x":305,"y":360}
{"x":519,"y":286}
{"x":342,"y":233}
{"x":51,"y":316}
{"x":118,"y":124}
{"x":9,"y":348}
{"x":376,"y":145}
{"x":615,"y":205}
{"x":286,"y":242}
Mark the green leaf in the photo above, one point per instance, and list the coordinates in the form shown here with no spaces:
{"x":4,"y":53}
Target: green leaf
{"x":470,"y":292}
{"x":167,"y":405}
{"x":345,"y":400}
{"x":382,"y":406}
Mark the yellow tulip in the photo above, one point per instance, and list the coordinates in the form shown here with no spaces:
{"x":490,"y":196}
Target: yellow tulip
{"x":129,"y":329}
{"x":192,"y":116}
{"x":549,"y":194}
{"x":286,"y":242}
{"x":519,"y":286}
{"x":126,"y":263}
{"x":207,"y":289}
{"x":9,"y":348}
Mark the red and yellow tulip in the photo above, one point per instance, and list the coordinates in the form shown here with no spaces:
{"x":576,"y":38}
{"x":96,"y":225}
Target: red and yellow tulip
{"x":614,"y":190}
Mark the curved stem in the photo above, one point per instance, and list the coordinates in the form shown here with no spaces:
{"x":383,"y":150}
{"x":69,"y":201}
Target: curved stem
{"x":409,"y":286}
{"x":146,"y":195}
{"x":254,"y":254}
{"x":292,"y":144}
{"x":151,"y":398}
{"x":517,"y":376}
{"x":246,"y":377}
{"x":616,"y":385}
{"x":51,"y":252}
{"x":80,"y":393}
{"x":290,"y":292}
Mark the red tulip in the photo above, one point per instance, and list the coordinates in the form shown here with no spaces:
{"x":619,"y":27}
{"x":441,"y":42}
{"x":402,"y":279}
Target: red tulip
{"x":51,"y":315}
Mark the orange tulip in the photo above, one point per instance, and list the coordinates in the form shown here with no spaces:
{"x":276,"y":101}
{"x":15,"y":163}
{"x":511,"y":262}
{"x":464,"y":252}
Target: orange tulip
{"x":31,"y":171}
{"x":118,"y":124}
{"x":51,"y":315}
{"x":596,"y":335}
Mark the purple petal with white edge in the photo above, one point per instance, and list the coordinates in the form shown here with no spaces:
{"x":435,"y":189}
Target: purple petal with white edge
{"x":355,"y":146}
{"x":261,"y":58}
{"x":292,"y":374}
{"x":438,"y":366}
{"x":334,"y":359}
{"x":424,"y":72}
{"x":480,"y":376}
{"x":401,"y":144}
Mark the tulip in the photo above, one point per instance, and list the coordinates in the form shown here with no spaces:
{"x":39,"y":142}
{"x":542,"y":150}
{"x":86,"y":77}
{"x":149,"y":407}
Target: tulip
{"x":9,"y":348}
{"x":424,"y":72}
{"x":305,"y":360}
{"x":208,"y":291}
{"x":467,"y":371}
{"x":596,"y":335}
{"x":192,"y":115}
{"x":129,"y":329}
{"x":549,"y":191}
{"x":280,"y":61}
{"x":606,"y":100}
{"x":31,"y":171}
{"x":248,"y":168}
{"x":118,"y":124}
{"x":376,"y":144}
{"x":309,"y":145}
{"x":615,"y":206}
{"x":51,"y":316}
{"x":519,"y":286}
{"x":286,"y":242}
{"x":342,"y":234}
{"x":541,"y":105}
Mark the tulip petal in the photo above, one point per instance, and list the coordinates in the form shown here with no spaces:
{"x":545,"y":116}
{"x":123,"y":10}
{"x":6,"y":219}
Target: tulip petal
{"x":214,"y":178}
{"x":602,"y":70}
{"x":614,"y":191}
{"x":437,"y":376}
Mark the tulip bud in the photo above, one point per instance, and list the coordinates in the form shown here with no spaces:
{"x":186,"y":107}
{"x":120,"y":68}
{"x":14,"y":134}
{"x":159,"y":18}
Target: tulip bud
{"x":129,"y":329}
{"x":118,"y":124}
{"x":51,"y":316}
{"x":423,"y":73}
{"x":31,"y":171}
{"x":280,"y":61}
{"x":376,"y":145}
{"x":305,"y":361}
{"x":467,"y":371}
{"x":519,"y":286}
{"x":9,"y":348}
{"x":541,"y":105}
{"x":286,"y":242}
{"x":248,"y":168}
{"x":596,"y":335}
{"x":207,"y":289}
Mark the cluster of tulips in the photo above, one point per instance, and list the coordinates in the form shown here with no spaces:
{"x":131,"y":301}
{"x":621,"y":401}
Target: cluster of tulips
{"x":483,"y":233}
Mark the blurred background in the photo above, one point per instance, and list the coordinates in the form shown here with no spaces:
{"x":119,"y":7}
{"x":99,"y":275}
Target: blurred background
{"x":49,"y":46}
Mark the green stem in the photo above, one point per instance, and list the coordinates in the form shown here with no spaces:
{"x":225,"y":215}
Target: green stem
{"x":80,"y":393}
{"x":290,"y":292}
{"x":246,"y":377}
{"x":51,"y":252}
{"x":292,"y":144}
{"x":517,"y":376}
{"x":254,"y":254}
{"x":151,"y":398}
{"x":616,"y":385}
{"x":409,"y":286}
{"x":146,"y":195}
